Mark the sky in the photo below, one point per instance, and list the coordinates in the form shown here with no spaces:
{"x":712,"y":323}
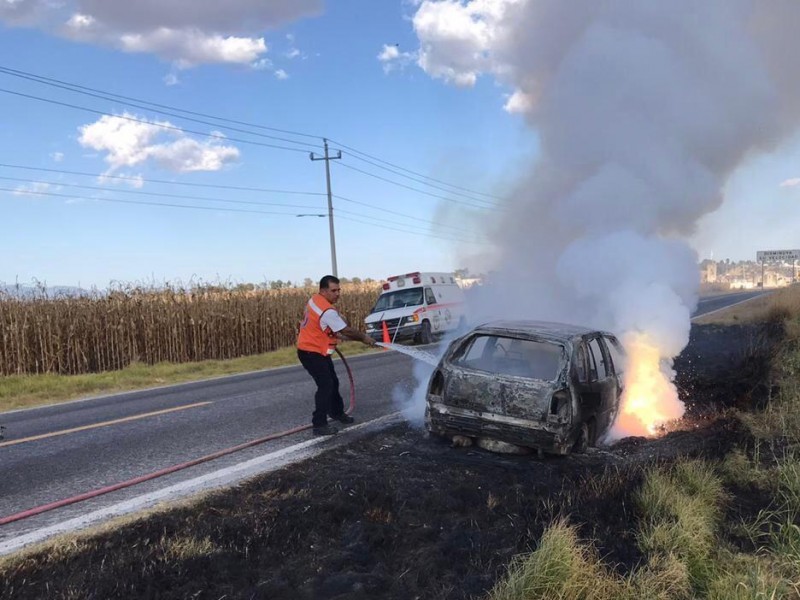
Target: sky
{"x":409,"y":91}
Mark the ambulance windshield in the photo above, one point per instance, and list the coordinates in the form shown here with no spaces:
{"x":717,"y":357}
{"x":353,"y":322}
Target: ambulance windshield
{"x":399,"y":299}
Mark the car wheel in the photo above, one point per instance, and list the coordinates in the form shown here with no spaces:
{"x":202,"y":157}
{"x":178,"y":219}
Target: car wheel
{"x":582,"y":443}
{"x":425,"y":335}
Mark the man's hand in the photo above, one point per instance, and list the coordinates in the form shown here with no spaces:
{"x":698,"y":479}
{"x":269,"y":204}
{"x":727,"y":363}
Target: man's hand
{"x":355,"y":334}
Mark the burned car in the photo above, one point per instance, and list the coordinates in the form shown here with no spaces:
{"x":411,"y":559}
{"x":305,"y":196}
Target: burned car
{"x":545,"y":386}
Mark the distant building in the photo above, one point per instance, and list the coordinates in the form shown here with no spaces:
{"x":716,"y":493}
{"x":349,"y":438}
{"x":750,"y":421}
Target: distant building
{"x":708,"y":271}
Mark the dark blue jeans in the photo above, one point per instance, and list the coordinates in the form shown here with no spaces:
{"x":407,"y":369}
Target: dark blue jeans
{"x":327,"y":400}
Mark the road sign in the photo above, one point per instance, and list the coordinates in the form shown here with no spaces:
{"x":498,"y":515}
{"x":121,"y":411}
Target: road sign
{"x":777,"y":255}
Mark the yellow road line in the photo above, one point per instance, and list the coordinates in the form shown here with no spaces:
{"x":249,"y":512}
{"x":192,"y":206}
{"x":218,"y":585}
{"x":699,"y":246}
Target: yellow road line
{"x":103,"y":424}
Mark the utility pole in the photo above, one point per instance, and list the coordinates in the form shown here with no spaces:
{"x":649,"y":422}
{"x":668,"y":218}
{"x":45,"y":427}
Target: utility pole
{"x":327,"y":158}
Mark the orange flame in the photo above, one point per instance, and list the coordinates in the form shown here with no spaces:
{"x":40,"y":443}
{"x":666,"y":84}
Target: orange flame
{"x":650,"y":399}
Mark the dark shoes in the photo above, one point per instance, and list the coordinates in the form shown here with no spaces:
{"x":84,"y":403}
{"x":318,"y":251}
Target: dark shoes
{"x":343,"y":418}
{"x":325,"y":430}
{"x":330,"y":429}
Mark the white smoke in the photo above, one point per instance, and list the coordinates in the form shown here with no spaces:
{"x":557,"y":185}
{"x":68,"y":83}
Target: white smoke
{"x":643,"y":110}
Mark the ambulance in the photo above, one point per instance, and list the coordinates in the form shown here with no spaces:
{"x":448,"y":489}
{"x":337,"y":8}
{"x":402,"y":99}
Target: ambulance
{"x":417,"y":306}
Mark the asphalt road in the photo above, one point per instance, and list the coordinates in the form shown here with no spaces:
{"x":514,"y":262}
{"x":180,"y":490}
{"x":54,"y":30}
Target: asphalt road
{"x":203,"y":417}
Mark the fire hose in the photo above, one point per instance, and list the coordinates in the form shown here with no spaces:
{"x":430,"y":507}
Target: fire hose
{"x":179,"y":467}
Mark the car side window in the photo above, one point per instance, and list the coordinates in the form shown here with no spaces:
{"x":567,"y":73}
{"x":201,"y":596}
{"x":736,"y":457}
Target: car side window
{"x":430,"y":298}
{"x":580,"y":364}
{"x":599,"y":359}
{"x":474,"y":352}
{"x":618,"y":358}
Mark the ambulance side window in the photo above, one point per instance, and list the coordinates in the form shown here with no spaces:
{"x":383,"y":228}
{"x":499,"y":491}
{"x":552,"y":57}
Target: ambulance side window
{"x":429,"y":297}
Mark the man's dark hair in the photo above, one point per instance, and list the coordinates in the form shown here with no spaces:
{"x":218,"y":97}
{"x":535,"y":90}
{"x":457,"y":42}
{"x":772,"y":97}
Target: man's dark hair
{"x":326,"y":281}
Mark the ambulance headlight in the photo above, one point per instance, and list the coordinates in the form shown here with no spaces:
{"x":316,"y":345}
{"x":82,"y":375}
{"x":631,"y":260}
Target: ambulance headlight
{"x":414,"y":318}
{"x":370,"y":327}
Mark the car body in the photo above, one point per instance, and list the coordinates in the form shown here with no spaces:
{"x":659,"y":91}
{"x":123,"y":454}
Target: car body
{"x":532,"y":384}
{"x":417,"y":306}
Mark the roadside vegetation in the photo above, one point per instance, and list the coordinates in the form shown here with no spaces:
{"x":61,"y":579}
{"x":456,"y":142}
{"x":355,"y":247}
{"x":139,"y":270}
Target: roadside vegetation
{"x":721,"y":530}
{"x":55,"y":349}
{"x":99,"y":333}
{"x":27,"y":391}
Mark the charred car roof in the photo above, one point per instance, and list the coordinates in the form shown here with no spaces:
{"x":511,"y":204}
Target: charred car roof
{"x":559,"y":332}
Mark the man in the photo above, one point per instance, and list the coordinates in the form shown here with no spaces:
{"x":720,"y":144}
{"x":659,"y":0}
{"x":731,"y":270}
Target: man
{"x":319,"y":333}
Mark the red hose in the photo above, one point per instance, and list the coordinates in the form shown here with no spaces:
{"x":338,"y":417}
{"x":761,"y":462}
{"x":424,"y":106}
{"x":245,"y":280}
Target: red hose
{"x":130,"y":482}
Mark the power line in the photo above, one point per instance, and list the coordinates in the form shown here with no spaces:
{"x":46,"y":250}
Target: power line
{"x":162,"y":181}
{"x":386,"y":162}
{"x":443,"y":189}
{"x":357,"y":154}
{"x":424,"y":234}
{"x":28,"y":75}
{"x":445,"y":235}
{"x":413,"y":189}
{"x":160,"y":125}
{"x":140,"y":105}
{"x":399,"y":214}
{"x":220,"y":209}
{"x":203,"y":185}
{"x":158,"y":194}
{"x":142,"y":202}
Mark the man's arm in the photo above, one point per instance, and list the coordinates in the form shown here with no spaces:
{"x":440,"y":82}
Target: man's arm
{"x":338,"y":325}
{"x":355,"y":334}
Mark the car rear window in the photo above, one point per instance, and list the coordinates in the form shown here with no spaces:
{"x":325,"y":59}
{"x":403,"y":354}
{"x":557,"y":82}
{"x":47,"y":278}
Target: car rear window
{"x":511,"y":356}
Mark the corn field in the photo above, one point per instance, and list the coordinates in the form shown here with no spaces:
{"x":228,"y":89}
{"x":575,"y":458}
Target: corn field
{"x":75,"y":335}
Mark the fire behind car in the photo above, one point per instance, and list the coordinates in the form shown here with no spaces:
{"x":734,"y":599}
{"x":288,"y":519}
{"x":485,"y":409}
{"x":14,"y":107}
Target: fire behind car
{"x":546,"y":386}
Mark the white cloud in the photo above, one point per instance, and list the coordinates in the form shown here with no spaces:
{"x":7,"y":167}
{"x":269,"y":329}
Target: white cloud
{"x":391,"y":57}
{"x":293,"y":53}
{"x":171,"y":79}
{"x":281,"y":74}
{"x":459,"y":40}
{"x":518,"y":102}
{"x":134,"y":181}
{"x":129,"y":143}
{"x":388,"y":53}
{"x":791,"y":182}
{"x":187,"y":32}
{"x":36,"y":188}
{"x":57,"y":156}
{"x":262,"y":64}
{"x":188,"y":48}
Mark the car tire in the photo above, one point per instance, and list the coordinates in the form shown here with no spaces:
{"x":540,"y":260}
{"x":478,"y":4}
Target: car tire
{"x":425,"y":334}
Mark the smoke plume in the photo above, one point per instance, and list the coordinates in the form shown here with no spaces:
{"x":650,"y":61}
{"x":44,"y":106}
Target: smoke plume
{"x":643,"y":109}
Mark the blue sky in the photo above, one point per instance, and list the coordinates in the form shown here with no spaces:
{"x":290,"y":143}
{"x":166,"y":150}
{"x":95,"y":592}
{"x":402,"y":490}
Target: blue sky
{"x":321,"y":76}
{"x":336,"y":88}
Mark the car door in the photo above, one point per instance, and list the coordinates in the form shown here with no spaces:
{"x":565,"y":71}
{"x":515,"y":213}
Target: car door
{"x":604,"y":382}
{"x":618,"y":363}
{"x":583,"y":370}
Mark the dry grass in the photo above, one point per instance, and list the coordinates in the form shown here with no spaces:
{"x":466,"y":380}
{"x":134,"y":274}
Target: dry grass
{"x":77,"y":335}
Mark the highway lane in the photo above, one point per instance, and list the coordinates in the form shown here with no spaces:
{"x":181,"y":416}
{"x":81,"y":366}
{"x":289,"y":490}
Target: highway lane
{"x":714,"y":303}
{"x":119,"y":437}
{"x":239,"y":409}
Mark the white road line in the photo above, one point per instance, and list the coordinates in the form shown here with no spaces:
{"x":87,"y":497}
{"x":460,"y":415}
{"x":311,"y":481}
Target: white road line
{"x":255,"y":466}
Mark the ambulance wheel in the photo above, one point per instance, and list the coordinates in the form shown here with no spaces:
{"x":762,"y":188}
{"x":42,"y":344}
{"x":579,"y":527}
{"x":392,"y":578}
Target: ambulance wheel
{"x":425,"y":334}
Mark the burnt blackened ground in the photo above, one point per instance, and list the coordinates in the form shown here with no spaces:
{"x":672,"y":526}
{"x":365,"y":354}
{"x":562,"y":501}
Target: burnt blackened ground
{"x":399,"y":515}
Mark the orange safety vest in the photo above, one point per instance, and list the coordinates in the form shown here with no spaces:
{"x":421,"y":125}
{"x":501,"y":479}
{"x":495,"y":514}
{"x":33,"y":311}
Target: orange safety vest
{"x":312,"y":338}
